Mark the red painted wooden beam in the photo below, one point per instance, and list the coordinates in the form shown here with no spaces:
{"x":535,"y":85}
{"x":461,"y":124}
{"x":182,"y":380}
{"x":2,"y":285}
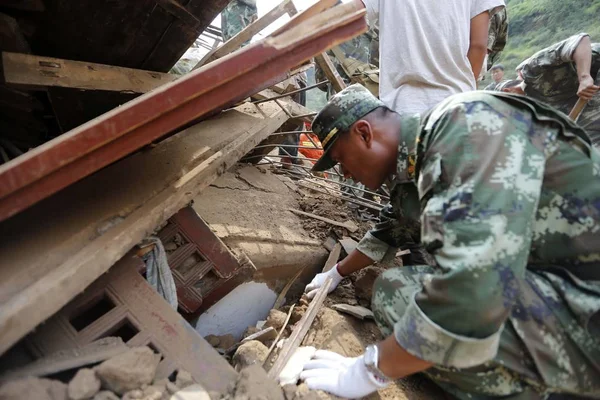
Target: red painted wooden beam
{"x":103,"y":140}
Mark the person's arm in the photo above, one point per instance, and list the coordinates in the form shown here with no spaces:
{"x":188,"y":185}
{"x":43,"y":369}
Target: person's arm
{"x":478,"y":41}
{"x":582,"y":56}
{"x":533,"y":69}
{"x":397,"y":226}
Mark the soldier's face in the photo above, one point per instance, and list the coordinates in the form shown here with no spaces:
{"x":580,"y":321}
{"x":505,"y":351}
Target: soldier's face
{"x":361,"y":156}
{"x":497,"y":75}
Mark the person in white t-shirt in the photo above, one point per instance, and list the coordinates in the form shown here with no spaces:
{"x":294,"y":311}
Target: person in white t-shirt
{"x":428,"y":49}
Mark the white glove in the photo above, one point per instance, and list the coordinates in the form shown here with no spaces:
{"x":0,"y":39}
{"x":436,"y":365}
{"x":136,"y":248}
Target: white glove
{"x":341,"y":376}
{"x":313,"y":287}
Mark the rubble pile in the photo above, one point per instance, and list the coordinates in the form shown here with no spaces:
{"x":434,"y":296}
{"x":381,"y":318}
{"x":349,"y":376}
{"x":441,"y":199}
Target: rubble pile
{"x":127,"y":376}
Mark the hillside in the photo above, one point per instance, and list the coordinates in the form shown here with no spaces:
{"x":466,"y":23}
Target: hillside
{"x":535,"y":24}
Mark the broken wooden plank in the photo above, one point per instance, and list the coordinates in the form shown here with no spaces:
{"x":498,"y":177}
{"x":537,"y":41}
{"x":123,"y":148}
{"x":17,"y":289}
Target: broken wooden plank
{"x":133,"y":309}
{"x":245,"y":34}
{"x":333,"y":258}
{"x":331,"y":73}
{"x":295,"y":339}
{"x":83,"y":230}
{"x":281,"y":298}
{"x":65,"y":360}
{"x":285,"y":324}
{"x":351,"y":226}
{"x":100,"y":142}
{"x":25,"y":71}
{"x":355,"y":311}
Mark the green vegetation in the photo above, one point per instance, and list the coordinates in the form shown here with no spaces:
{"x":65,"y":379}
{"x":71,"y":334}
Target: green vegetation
{"x":536,"y":24}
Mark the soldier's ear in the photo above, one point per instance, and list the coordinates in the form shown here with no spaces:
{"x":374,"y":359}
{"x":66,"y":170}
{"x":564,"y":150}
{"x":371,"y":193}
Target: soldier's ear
{"x":364,"y":132}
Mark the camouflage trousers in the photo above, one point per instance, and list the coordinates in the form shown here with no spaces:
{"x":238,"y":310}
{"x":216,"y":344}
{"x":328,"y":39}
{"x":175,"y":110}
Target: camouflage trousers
{"x":528,"y":362}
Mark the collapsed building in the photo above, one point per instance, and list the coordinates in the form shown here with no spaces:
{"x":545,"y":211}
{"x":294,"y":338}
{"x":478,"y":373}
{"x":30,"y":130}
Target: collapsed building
{"x":139,"y":257}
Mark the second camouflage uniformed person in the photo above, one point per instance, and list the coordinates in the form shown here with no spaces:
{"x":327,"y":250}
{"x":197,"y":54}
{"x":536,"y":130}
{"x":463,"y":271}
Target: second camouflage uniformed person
{"x":508,"y":193}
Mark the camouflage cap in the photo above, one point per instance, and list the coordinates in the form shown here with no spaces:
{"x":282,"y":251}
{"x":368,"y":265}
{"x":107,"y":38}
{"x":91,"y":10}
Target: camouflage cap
{"x":507,"y":84}
{"x":342,"y":110}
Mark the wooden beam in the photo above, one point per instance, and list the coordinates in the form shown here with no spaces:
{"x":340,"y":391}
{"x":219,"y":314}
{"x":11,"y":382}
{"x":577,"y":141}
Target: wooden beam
{"x":34,"y":72}
{"x":331,"y":73}
{"x":300,"y":330}
{"x":246,"y":34}
{"x":83,"y":230}
{"x":74,"y":155}
{"x":322,"y":59}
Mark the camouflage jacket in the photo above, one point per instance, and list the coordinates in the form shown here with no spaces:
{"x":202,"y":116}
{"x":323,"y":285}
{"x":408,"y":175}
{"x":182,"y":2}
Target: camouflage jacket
{"x":497,"y":34}
{"x":236,"y":16}
{"x":550,"y":75}
{"x":506,"y":186}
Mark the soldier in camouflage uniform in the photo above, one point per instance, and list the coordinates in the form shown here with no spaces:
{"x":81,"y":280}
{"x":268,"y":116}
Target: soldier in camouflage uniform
{"x":560,"y":74}
{"x":497,"y":35}
{"x":508,"y":192}
{"x":236,"y":16}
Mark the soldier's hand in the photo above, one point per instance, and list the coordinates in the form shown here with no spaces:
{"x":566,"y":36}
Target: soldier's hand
{"x":341,"y":376}
{"x":313,"y":287}
{"x":587,"y":89}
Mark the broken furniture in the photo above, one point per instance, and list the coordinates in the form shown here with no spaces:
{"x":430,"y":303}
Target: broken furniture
{"x":203,"y":268}
{"x":121,"y":303}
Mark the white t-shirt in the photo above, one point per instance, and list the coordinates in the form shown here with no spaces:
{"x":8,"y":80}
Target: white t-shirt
{"x":423,"y":47}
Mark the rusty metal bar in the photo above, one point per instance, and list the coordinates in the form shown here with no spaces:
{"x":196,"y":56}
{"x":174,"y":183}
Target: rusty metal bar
{"x":84,"y":150}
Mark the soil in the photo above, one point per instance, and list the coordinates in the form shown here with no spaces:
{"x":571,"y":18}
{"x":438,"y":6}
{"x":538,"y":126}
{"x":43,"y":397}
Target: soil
{"x":333,"y":208}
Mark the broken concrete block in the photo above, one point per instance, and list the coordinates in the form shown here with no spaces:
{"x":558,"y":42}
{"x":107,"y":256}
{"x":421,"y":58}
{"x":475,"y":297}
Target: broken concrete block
{"x":84,"y":385}
{"x":262,"y":336}
{"x":106,"y":395}
{"x":129,"y":370}
{"x":33,"y":388}
{"x":172,"y":388}
{"x":135,"y":394}
{"x":222,"y":342}
{"x":184,"y":379}
{"x":253,"y":383}
{"x":252,"y":352}
{"x":153,"y":393}
{"x":192,"y":392}
{"x":355,"y":311}
{"x":276,"y":319}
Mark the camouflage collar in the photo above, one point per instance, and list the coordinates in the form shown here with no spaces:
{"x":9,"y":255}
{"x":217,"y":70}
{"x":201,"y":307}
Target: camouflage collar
{"x":407,"y":148}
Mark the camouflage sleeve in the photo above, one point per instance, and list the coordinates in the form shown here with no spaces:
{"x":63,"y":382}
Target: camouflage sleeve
{"x":557,"y":54}
{"x":482,"y":178}
{"x":398,"y":225}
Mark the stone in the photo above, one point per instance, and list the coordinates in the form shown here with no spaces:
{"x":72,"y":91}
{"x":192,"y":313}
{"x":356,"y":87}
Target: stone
{"x":84,"y":385}
{"x":276,"y":319}
{"x":33,"y":388}
{"x":213,"y":340}
{"x":128,"y":371}
{"x":355,"y":311}
{"x":254,"y":384}
{"x":192,"y":392}
{"x":153,"y":393}
{"x":252,"y":352}
{"x":183,"y":379}
{"x":106,"y":395}
{"x":135,"y":394}
{"x":222,"y":342}
{"x":161,"y":384}
{"x":172,"y":388}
